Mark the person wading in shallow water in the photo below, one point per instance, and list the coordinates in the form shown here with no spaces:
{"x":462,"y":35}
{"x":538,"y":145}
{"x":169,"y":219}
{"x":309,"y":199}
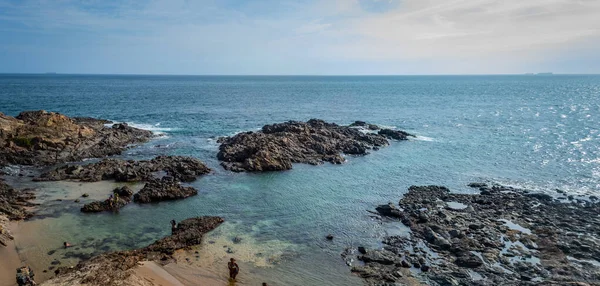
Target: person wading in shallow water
{"x":233,"y":269}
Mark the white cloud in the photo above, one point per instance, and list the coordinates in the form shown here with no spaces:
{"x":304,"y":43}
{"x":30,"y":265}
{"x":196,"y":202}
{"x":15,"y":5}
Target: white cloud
{"x":432,"y":36}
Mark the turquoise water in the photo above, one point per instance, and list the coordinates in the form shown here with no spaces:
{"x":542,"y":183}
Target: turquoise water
{"x":538,"y":132}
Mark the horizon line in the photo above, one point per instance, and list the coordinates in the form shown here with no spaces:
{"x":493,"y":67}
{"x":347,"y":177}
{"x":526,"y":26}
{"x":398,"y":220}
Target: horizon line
{"x":290,"y":75}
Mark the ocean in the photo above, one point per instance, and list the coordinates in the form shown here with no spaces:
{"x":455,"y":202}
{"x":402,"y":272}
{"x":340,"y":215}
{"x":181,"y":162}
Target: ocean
{"x":536,"y":132}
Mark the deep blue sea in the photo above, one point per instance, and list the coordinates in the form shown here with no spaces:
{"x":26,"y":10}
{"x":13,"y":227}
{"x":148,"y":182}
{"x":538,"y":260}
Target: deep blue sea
{"x":539,"y":132}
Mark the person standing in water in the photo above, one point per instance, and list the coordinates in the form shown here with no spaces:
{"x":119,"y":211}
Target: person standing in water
{"x":234,"y":269}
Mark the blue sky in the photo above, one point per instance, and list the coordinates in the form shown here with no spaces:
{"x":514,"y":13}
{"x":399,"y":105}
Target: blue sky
{"x":300,"y":37}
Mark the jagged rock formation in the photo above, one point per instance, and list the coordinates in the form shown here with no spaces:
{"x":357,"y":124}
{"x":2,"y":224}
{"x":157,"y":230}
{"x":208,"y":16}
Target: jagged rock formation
{"x":277,"y":146}
{"x":502,"y":236}
{"x":121,"y":197}
{"x":114,"y":268}
{"x":12,"y":202}
{"x":5,"y":235}
{"x":45,"y":138}
{"x":184,"y":169}
{"x":165,"y":189}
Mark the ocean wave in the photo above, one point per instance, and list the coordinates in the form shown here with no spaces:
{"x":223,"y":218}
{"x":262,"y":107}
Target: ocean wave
{"x":551,"y":188}
{"x":424,"y":138}
{"x":154,"y":128}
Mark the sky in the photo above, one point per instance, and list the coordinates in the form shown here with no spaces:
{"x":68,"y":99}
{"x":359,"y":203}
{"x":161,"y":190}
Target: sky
{"x":305,"y":37}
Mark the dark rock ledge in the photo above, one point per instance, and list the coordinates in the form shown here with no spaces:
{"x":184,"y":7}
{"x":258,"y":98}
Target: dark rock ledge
{"x":502,"y":236}
{"x":185,"y":169}
{"x":277,"y":146}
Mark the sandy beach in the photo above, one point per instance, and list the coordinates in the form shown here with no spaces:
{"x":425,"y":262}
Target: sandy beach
{"x":10,"y":262}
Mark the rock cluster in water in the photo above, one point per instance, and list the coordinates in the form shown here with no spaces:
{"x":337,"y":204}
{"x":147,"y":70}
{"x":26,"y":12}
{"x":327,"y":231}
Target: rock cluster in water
{"x":164,"y":189}
{"x":115,"y":267}
{"x":45,"y":138}
{"x":185,"y":169}
{"x":277,"y":146}
{"x":502,"y":236}
{"x":121,"y":197}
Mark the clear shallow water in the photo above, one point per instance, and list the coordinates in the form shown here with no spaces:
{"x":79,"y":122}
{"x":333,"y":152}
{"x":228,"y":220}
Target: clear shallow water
{"x":531,"y":131}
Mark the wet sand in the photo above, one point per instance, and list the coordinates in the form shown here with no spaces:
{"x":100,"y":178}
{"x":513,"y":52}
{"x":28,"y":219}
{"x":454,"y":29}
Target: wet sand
{"x":9,"y":262}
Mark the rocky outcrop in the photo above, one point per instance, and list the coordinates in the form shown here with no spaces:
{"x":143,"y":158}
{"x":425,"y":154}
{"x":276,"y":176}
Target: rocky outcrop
{"x":395,"y":134}
{"x":501,"y":236}
{"x":121,"y":197}
{"x":5,"y":235}
{"x":115,"y":267}
{"x":45,"y":138}
{"x":277,"y":146}
{"x":184,"y":169}
{"x":165,"y":189}
{"x":13,"y":202}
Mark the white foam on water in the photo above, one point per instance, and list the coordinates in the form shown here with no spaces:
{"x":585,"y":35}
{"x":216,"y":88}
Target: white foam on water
{"x":424,"y":138}
{"x":156,"y":129}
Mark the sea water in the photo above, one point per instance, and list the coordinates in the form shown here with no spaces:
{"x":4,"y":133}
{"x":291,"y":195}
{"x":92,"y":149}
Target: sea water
{"x":528,"y":131}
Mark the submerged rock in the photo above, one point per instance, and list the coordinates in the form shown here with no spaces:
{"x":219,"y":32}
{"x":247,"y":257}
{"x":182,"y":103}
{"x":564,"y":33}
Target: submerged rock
{"x":184,"y":169}
{"x":164,"y":189}
{"x":45,"y":138}
{"x":277,"y":146}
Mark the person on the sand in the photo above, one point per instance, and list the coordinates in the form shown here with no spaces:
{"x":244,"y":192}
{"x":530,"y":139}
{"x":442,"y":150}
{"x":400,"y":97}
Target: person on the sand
{"x":234,"y":269}
{"x":66,"y":244}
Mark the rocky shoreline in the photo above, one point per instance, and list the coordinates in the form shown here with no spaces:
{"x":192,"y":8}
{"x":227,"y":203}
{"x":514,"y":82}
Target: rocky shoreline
{"x":314,"y":142}
{"x":115,"y":268}
{"x":47,"y":138}
{"x":501,"y":236}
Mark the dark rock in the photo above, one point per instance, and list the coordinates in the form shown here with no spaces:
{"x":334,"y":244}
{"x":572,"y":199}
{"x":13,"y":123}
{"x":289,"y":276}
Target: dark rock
{"x":162,"y":190}
{"x":378,"y":256}
{"x":478,"y":185}
{"x":395,"y":134}
{"x":13,"y":202}
{"x":85,"y":195}
{"x":424,"y":267}
{"x":121,"y":197}
{"x":468,"y":260}
{"x":362,"y":250}
{"x":185,"y":169}
{"x":277,"y":146}
{"x":457,"y":240}
{"x":389,"y":210}
{"x":329,"y":237}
